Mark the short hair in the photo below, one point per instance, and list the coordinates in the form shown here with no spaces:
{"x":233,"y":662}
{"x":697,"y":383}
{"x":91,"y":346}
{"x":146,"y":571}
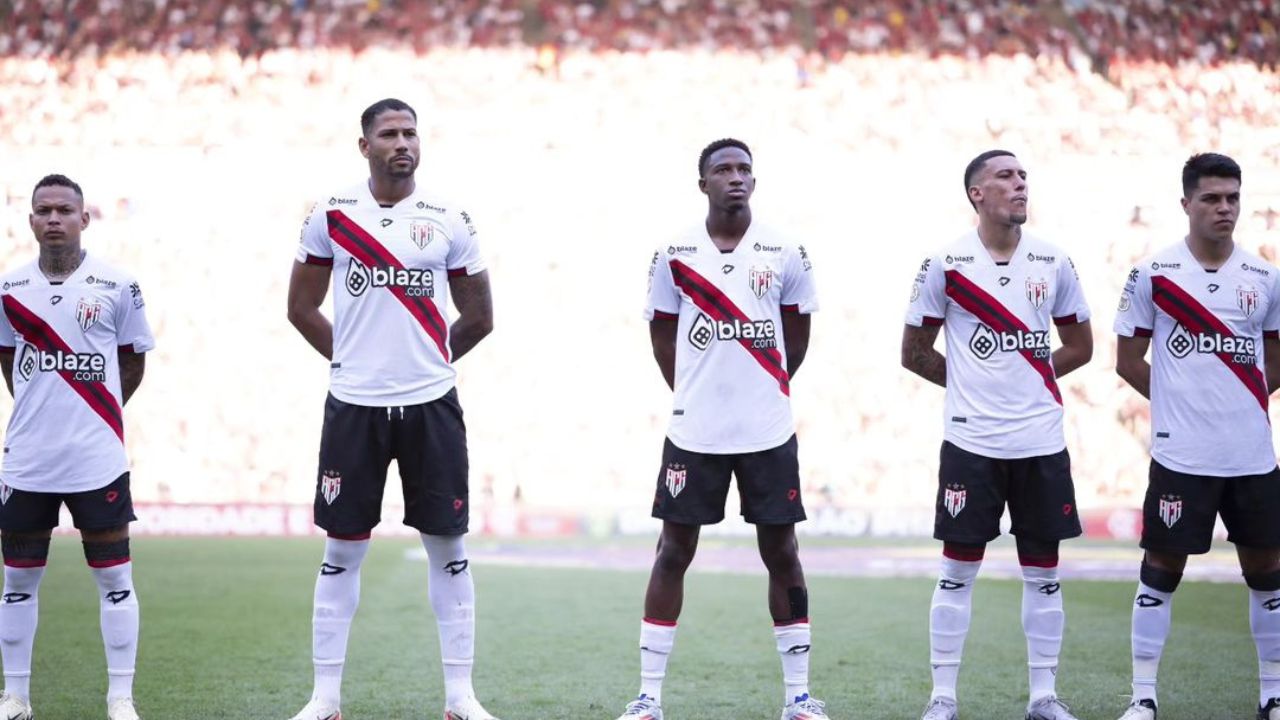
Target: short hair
{"x":1207,"y":165}
{"x":56,"y":180}
{"x":372,"y":112}
{"x":975,"y":166}
{"x":716,"y":146}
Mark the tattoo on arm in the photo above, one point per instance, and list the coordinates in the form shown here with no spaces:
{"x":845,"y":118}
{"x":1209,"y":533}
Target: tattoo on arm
{"x":132,"y":366}
{"x":919,"y":355}
{"x":474,"y":300}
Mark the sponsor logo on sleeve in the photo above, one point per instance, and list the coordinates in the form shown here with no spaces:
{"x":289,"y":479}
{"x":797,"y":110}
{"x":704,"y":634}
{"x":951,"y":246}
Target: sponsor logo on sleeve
{"x":804,"y":258}
{"x":135,"y":292}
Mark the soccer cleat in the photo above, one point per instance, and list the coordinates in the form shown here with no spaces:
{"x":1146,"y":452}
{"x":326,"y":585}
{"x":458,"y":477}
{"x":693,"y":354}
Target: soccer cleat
{"x":642,"y":708}
{"x":1143,"y":709}
{"x":317,"y":710}
{"x":468,"y":709}
{"x":805,"y":708}
{"x":1049,"y":708}
{"x":121,"y":709}
{"x":941,"y":708}
{"x":1270,"y":711}
{"x":13,"y":707}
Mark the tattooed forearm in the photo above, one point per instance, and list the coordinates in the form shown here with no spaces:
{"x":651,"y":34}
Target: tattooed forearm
{"x":474,"y":301}
{"x":919,"y":357}
{"x":132,"y":366}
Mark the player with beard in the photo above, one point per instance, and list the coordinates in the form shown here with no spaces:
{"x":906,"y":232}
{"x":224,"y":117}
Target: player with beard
{"x":728,"y":311}
{"x":400,"y":251}
{"x":998,"y":290}
{"x":1209,"y":312}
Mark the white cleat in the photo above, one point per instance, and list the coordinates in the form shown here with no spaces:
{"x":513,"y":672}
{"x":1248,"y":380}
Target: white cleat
{"x":941,"y":708}
{"x":1049,"y":708}
{"x":642,"y":708}
{"x":468,"y":709}
{"x":1140,"y":710}
{"x":15,"y":707}
{"x":805,"y":708}
{"x":121,"y":709}
{"x":317,"y":710}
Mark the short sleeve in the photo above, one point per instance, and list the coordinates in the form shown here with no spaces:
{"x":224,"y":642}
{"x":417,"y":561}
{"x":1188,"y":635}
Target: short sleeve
{"x":133,"y":333}
{"x":314,"y":247}
{"x":799,"y":294}
{"x":1136,"y":315}
{"x":928,"y":304}
{"x":464,"y":246}
{"x":8,"y":339}
{"x":1069,"y":306}
{"x":664,"y":298}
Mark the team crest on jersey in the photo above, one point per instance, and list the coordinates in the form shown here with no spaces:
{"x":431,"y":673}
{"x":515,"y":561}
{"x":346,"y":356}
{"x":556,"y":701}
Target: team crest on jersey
{"x":1037,"y":292}
{"x":1170,"y":509}
{"x":953,"y":498}
{"x":760,"y":280}
{"x":1247,"y":299}
{"x":87,"y":313}
{"x":330,"y":485}
{"x":677,"y":475}
{"x":5,"y":492}
{"x":422,"y":234}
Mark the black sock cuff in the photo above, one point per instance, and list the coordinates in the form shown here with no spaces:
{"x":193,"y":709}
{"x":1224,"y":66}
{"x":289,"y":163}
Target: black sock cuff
{"x":1158,"y":579}
{"x":106,"y":554}
{"x":24,"y":549}
{"x":1266,"y":582}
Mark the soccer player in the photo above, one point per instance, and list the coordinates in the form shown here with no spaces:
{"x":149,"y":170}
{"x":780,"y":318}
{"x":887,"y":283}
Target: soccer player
{"x":1209,"y":312}
{"x":399,"y":251}
{"x":73,"y":338}
{"x":998,"y":290}
{"x":728,"y":310}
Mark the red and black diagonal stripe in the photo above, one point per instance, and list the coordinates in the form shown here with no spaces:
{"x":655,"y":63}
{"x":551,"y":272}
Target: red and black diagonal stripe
{"x":1188,"y":311}
{"x":365,"y":248}
{"x":995,"y":315}
{"x":39,"y":333}
{"x":718,"y":306}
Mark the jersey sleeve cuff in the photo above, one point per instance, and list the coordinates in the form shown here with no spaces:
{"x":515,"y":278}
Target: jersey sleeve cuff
{"x":310,"y":259}
{"x":1140,"y":332}
{"x":8,"y":348}
{"x":926,"y":321}
{"x":1266,"y":335}
{"x":466,"y":270}
{"x":663,"y":315}
{"x":137,"y":347}
{"x":1072,"y":319}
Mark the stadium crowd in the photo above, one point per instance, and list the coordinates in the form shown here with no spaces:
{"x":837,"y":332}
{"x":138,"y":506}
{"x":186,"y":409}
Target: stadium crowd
{"x":203,"y":131}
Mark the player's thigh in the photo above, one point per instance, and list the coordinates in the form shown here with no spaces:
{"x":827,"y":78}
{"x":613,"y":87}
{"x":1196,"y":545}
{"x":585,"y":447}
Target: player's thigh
{"x":1042,"y":498}
{"x":355,"y":450}
{"x":971,"y":496}
{"x":1250,"y":506}
{"x":431,"y":450}
{"x":769,"y":485}
{"x":23,"y":512}
{"x":104,"y":512}
{"x":692,"y":486}
{"x":1180,"y":511}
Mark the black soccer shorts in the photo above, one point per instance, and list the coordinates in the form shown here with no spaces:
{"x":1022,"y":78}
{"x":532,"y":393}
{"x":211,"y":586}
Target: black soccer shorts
{"x":973,"y":490}
{"x":106,"y":508}
{"x":693,"y":486}
{"x":358,"y":442}
{"x":1180,"y":510}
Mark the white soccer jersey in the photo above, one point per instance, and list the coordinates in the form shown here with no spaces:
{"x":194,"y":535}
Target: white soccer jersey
{"x":66,"y":433}
{"x":732,"y":390}
{"x":1002,"y":397}
{"x":391,"y":270}
{"x":1208,"y":387}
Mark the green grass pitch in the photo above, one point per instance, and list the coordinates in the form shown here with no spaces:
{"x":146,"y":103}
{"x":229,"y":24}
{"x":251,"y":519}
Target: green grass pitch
{"x":226,"y":634}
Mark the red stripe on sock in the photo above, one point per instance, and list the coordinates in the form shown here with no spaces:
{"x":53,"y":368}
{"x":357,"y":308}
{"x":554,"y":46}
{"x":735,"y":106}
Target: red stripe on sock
{"x":24,"y":563}
{"x":1040,"y":561}
{"x":963,"y":553}
{"x":785,"y":623}
{"x":663,"y":623}
{"x":108,"y":563}
{"x":365,"y":536}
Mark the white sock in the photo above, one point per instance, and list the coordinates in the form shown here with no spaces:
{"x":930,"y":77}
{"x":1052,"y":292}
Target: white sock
{"x":118,"y":612}
{"x":453,"y":598}
{"x":949,"y":622}
{"x":18,"y":615}
{"x":1264,"y":621}
{"x":656,"y":641}
{"x":1152,"y":616}
{"x":1042,"y":623}
{"x":793,"y":648}
{"x":336,"y":598}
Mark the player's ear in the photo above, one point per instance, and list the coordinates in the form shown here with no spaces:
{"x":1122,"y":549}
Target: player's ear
{"x":364,"y":146}
{"x":1186,"y":204}
{"x":702,"y":185}
{"x":84,"y":219}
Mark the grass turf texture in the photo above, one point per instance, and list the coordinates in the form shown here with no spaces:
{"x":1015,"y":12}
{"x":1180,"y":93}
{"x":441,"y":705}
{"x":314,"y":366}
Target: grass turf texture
{"x":226,"y":634}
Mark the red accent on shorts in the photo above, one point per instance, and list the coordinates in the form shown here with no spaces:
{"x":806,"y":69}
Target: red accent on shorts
{"x":99,"y":564}
{"x":785,"y":623}
{"x":365,"y":536}
{"x":963,"y":553}
{"x":661,"y":623}
{"x":25,"y":562}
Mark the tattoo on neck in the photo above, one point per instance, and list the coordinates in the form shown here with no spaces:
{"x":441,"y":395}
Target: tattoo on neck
{"x":58,"y":264}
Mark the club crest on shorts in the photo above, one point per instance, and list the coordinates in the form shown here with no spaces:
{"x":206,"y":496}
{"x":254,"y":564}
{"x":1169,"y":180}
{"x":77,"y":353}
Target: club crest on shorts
{"x":87,"y":313}
{"x":1037,"y":292}
{"x":760,"y":279}
{"x":677,"y":474}
{"x":953,"y":498}
{"x":5,"y":492}
{"x":422,"y":234}
{"x":330,"y":485}
{"x":1170,"y":509}
{"x":1247,"y":299}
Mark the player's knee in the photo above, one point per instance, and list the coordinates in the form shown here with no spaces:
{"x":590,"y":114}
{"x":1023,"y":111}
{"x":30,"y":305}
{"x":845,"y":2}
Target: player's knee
{"x":102,"y":555}
{"x":24,"y":551}
{"x":1159,"y":578}
{"x":674,"y":557}
{"x":1263,"y":581}
{"x":781,"y":559}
